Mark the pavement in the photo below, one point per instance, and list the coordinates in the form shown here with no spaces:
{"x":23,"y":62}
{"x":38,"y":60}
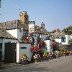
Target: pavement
{"x":7,"y":65}
{"x":62,"y":64}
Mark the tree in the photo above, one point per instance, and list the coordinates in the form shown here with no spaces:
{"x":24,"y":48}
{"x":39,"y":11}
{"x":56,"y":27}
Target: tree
{"x":68,"y":30}
{"x":70,"y":42}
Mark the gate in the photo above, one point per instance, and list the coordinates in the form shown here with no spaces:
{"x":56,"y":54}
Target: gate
{"x":10,"y":53}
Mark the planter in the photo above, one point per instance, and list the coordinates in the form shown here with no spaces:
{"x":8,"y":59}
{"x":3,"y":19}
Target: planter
{"x":45,"y":58}
{"x":36,"y":60}
{"x":24,"y":62}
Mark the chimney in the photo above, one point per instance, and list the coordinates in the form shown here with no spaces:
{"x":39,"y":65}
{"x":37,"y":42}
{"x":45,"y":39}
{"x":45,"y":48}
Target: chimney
{"x":23,"y":17}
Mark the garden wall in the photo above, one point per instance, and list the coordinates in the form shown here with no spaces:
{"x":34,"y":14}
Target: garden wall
{"x":25,"y":49}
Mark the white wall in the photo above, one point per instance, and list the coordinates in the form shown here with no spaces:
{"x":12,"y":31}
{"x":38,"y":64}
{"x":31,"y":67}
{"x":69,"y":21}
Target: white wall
{"x":58,"y":40}
{"x":9,"y":40}
{"x":17,"y":52}
{"x":67,"y":40}
{"x":25,"y":51}
{"x":70,"y":36}
{"x":17,"y":33}
{"x":13,"y":32}
{"x":43,"y":36}
{"x":48,"y":45}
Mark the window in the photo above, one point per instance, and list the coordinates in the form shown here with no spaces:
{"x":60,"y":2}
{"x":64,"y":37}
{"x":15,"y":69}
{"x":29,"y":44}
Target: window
{"x":63,"y":39}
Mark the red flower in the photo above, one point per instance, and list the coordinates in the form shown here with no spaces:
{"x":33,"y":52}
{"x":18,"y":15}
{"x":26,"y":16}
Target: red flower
{"x":35,"y":48}
{"x":42,"y":44}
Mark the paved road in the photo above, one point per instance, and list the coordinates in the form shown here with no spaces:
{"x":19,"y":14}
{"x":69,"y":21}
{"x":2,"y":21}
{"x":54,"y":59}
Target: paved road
{"x":56,"y":65}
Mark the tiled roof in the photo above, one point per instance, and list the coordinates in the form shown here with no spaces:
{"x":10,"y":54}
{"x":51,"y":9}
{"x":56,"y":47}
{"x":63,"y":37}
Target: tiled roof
{"x":56,"y":36}
{"x":13,"y":25}
{"x":4,"y":34}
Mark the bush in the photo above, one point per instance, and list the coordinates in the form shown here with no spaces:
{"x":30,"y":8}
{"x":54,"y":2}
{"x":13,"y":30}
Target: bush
{"x":45,"y":55}
{"x":70,"y":42}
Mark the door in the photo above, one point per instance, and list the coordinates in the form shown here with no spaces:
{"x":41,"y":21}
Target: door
{"x":10,"y":52}
{"x":0,"y":51}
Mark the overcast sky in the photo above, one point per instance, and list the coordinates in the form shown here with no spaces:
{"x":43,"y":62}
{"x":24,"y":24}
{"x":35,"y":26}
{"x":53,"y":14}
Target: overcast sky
{"x":54,"y":13}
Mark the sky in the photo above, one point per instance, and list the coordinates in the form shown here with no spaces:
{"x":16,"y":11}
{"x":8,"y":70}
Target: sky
{"x":54,"y":13}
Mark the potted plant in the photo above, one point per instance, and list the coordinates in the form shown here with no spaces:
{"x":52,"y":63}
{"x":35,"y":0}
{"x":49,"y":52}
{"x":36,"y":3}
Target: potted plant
{"x":45,"y":55}
{"x":36,"y":57}
{"x":24,"y":59}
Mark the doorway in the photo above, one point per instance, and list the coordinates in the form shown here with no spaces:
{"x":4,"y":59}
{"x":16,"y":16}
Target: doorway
{"x":10,"y":53}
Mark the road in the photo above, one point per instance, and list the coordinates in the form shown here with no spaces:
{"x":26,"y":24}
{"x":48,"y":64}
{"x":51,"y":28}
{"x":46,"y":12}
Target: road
{"x":63,"y":64}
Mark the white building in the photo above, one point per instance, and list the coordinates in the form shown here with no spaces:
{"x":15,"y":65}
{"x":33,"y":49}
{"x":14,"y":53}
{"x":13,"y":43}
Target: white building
{"x":11,"y":50}
{"x":11,"y":46}
{"x":64,"y":40}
